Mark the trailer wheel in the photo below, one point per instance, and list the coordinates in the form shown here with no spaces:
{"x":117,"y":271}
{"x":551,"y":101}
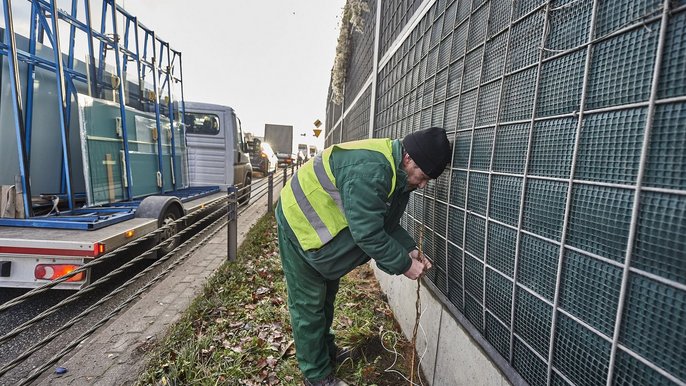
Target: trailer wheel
{"x":166,"y":210}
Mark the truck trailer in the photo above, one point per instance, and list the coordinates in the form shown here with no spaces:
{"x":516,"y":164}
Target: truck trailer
{"x":100,"y":152}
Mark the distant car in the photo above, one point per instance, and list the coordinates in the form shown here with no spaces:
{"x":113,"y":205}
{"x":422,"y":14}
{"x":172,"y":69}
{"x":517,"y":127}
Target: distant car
{"x":265,"y":160}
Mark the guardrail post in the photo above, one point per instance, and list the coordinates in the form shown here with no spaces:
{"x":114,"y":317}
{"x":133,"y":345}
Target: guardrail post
{"x":285,"y":175}
{"x":232,"y":225}
{"x":270,"y":191}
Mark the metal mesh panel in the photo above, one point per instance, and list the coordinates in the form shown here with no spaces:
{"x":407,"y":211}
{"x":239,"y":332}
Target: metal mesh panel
{"x":629,"y":370}
{"x":437,"y":115}
{"x":467,"y":111}
{"x":478,"y":192}
{"x":560,"y":89}
{"x":531,"y":367}
{"x":472,"y":69}
{"x":660,"y":246}
{"x":498,"y":335}
{"x":613,"y":140}
{"x":444,"y":52}
{"x":477,"y":28}
{"x":544,"y":205}
{"x":622,"y":68}
{"x":614,"y":15}
{"x":518,"y":96}
{"x":590,"y":290}
{"x":599,"y":220}
{"x":525,"y":41}
{"x":481,"y":149}
{"x":356,"y":123}
{"x":459,"y":42}
{"x":361,"y":53}
{"x":498,"y":295}
{"x":538,"y":265}
{"x":569,"y":25}
{"x":487,"y":106}
{"x":456,"y":226}
{"x":475,"y":234}
{"x":505,"y":197}
{"x":510,"y":148}
{"x":522,"y":7}
{"x":673,"y":77}
{"x":666,"y":163}
{"x":500,"y":248}
{"x":579,"y":353}
{"x":494,"y":58}
{"x":473,"y":312}
{"x":454,"y":79}
{"x":499,"y":17}
{"x":532,"y":321}
{"x":552,"y":147}
{"x":653,"y":324}
{"x":450,"y":118}
{"x":474,"y":277}
{"x":458,"y":188}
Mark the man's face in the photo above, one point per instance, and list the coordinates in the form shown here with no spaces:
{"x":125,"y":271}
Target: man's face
{"x":416,"y":178}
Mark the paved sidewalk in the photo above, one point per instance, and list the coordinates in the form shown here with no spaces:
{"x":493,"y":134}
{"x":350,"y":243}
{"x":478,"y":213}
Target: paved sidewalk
{"x":114,"y":355}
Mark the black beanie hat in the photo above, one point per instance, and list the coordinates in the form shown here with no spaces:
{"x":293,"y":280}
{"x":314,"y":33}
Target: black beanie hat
{"x":430,"y":150}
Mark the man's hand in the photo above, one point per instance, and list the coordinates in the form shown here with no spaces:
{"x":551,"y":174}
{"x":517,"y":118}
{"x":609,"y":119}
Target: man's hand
{"x":420,"y":265}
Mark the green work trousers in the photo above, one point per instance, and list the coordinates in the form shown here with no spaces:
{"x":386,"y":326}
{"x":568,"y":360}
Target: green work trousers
{"x":310,"y":303}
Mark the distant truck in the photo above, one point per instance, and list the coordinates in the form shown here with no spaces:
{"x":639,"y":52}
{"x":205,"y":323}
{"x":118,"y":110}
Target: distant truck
{"x":280,"y":138}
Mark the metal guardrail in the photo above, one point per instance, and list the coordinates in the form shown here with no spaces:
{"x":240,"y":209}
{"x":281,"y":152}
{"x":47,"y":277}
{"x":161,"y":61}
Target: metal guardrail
{"x":206,"y":222}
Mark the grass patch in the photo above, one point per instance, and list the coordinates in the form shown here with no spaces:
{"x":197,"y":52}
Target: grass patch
{"x":238,"y":330}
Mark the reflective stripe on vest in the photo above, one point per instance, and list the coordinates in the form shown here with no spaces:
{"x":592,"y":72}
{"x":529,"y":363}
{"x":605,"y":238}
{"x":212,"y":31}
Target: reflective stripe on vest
{"x":311,"y":202}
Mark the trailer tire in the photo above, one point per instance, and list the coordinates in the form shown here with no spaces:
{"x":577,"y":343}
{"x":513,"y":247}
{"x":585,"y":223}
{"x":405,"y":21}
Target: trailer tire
{"x":166,"y":210}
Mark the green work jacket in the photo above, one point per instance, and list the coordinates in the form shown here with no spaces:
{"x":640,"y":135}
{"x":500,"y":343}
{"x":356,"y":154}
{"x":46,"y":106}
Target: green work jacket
{"x":363,"y":179}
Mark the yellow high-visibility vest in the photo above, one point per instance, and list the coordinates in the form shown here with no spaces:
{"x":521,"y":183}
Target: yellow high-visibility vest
{"x":311,"y":202}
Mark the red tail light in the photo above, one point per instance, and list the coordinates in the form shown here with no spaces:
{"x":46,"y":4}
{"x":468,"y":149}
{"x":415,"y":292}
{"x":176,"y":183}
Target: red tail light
{"x":55,"y":271}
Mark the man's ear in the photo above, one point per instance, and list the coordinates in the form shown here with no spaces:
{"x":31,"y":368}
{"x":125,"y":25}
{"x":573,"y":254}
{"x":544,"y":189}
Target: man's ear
{"x":406,"y":160}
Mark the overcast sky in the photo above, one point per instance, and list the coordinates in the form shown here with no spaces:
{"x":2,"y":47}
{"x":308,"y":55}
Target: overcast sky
{"x":268,"y":59}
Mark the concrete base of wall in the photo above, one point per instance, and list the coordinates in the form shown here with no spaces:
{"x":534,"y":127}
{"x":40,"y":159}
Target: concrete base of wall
{"x":450,"y":356}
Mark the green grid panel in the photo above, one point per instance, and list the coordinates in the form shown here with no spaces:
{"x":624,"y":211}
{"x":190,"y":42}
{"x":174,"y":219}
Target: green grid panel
{"x":666,"y":162}
{"x":459,"y":41}
{"x":553,"y":147}
{"x":518,"y":96}
{"x":494,"y":58}
{"x":660,"y":246}
{"x":622,"y":68}
{"x":425,"y":120}
{"x":436,"y":30}
{"x":467,"y":110}
{"x":610,"y":146}
{"x":560,"y":85}
{"x":537,"y":267}
{"x":505,"y":197}
{"x":631,"y":371}
{"x":427,"y":99}
{"x":472,"y":69}
{"x":498,"y":295}
{"x":525,"y":41}
{"x":456,"y":226}
{"x":437,"y":115}
{"x":481,"y":149}
{"x":497,"y":335}
{"x":672,"y":75}
{"x":449,"y":18}
{"x":474,"y":277}
{"x":557,"y":380}
{"x":581,"y":355}
{"x":614,"y":15}
{"x":432,"y":62}
{"x":590,"y":290}
{"x":478,"y":25}
{"x":478,"y":193}
{"x":475,"y":235}
{"x":463,"y":10}
{"x":450,"y":118}
{"x":528,"y":365}
{"x":532,"y":321}
{"x":510,"y":148}
{"x":522,"y":7}
{"x":441,"y":184}
{"x":455,"y":276}
{"x":487,"y":107}
{"x":544,"y":206}
{"x":458,"y":188}
{"x":501,"y":247}
{"x":569,"y":25}
{"x":474,"y":312}
{"x":441,"y":85}
{"x":653,"y":324}
{"x":599,"y":220}
{"x":454,"y":79}
{"x":499,"y":17}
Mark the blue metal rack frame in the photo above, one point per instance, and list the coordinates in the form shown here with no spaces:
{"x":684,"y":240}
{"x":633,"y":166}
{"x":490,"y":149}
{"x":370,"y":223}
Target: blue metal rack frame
{"x":45,"y":18}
